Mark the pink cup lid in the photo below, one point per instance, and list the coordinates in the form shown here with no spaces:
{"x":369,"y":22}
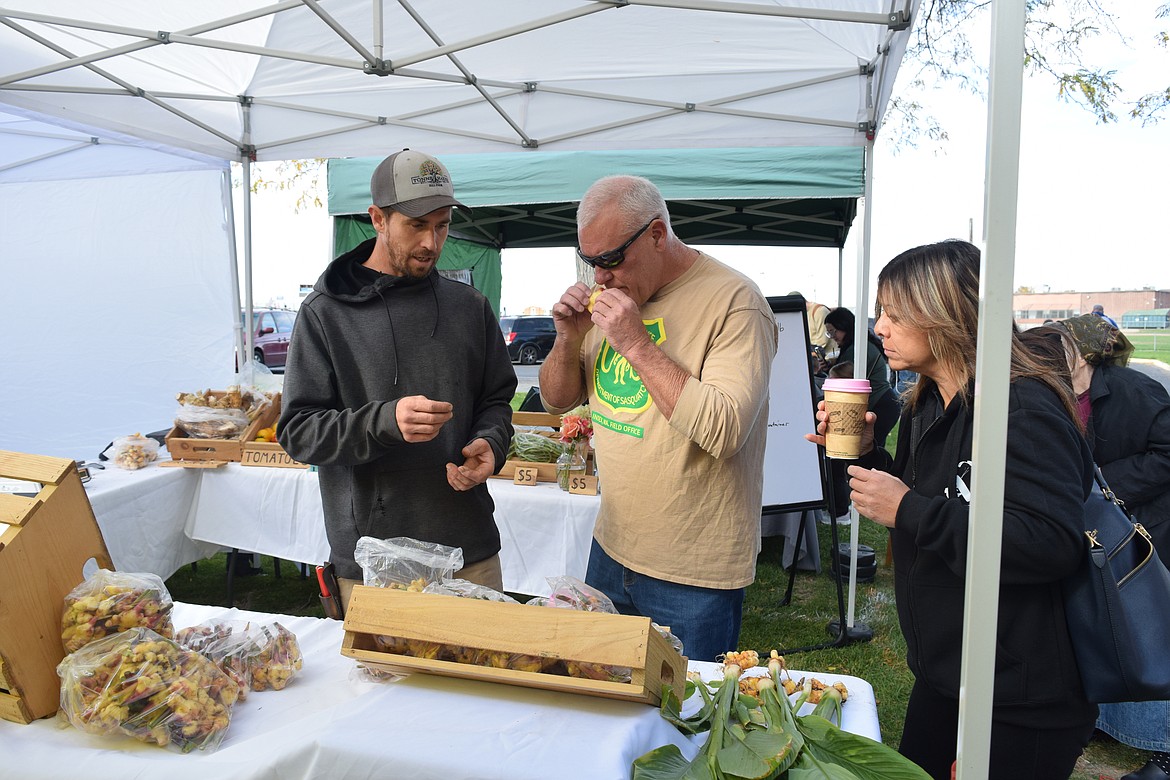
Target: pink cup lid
{"x":846,"y":385}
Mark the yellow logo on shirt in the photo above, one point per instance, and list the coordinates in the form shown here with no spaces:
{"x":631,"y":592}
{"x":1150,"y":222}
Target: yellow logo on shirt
{"x":616,"y":384}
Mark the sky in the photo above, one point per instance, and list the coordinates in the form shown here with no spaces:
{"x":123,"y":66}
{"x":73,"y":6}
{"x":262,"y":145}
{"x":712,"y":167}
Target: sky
{"x":1092,"y":215}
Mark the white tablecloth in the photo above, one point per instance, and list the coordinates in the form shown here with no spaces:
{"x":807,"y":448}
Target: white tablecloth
{"x":330,"y":724}
{"x":142,"y":516}
{"x":544,"y":531}
{"x":159,"y":519}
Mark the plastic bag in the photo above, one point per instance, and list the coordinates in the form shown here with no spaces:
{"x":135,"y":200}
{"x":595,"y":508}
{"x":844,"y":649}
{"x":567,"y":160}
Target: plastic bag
{"x":148,"y":687}
{"x":405,"y":563}
{"x":110,"y":602}
{"x":232,"y":645}
{"x":571,"y":593}
{"x":133,"y":452}
{"x":279,"y":658}
{"x":209,"y":414}
{"x":468,"y":590}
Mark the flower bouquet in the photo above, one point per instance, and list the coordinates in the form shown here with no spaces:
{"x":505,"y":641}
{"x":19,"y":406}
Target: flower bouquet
{"x":576,"y":430}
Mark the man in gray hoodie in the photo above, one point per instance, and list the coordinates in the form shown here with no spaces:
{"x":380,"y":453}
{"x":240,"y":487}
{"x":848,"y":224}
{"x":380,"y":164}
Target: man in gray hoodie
{"x":398,"y":384}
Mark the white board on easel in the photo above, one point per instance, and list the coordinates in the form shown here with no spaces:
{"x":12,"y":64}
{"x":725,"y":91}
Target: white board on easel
{"x":793,"y":479}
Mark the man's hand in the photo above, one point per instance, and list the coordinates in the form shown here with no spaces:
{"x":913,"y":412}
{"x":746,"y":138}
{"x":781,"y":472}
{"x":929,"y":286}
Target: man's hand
{"x":620,"y":320}
{"x":419,"y":418}
{"x":571,"y":314}
{"x":480,"y":464}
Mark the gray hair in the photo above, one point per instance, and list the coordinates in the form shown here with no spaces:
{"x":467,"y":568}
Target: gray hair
{"x":637,"y":199}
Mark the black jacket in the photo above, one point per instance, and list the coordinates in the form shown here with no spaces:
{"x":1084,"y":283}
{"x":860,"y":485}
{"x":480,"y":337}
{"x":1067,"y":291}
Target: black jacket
{"x":362,"y":341}
{"x":1129,"y":432}
{"x":1048,"y":475}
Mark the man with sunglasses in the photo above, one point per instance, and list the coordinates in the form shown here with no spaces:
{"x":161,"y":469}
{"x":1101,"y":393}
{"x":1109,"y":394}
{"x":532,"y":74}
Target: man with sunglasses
{"x":674,"y":357}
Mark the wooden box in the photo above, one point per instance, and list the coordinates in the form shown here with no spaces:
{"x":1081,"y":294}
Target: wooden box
{"x":183,"y":447}
{"x":45,"y":541}
{"x":550,"y":633}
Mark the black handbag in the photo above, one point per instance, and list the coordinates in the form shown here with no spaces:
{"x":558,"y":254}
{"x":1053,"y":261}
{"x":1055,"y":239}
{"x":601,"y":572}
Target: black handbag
{"x":1118,"y":606}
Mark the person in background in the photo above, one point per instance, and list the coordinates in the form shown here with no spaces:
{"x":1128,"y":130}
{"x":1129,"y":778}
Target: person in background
{"x":674,"y":356}
{"x":1099,"y":311}
{"x":821,"y":345}
{"x":1127,"y":419}
{"x":399,"y":385}
{"x":883,"y":401}
{"x":928,"y":310}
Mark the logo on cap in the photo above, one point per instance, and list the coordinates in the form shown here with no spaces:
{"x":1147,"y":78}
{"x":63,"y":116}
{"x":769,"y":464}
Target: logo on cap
{"x":429,"y":173}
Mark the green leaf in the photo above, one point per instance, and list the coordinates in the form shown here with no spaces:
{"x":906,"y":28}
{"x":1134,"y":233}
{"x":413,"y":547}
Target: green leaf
{"x":671,"y":710}
{"x":754,"y":755}
{"x":808,"y":768}
{"x":863,"y":757}
{"x":663,"y":763}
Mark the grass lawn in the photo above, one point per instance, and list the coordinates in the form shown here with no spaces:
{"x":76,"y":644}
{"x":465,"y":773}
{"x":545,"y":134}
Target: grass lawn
{"x":1150,"y":344}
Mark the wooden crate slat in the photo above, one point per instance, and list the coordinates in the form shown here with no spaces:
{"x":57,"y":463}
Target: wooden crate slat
{"x":34,"y":468}
{"x":536,"y":419}
{"x":13,"y":709}
{"x":5,"y":686}
{"x":16,"y":510}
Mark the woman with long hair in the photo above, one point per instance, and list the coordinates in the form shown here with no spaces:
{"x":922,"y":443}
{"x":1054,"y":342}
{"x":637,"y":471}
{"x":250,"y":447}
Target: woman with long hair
{"x":1127,"y":423}
{"x":927,"y":316}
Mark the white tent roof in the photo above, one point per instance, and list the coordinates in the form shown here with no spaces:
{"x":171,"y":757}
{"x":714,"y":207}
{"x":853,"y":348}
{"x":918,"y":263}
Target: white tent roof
{"x":335,"y":78}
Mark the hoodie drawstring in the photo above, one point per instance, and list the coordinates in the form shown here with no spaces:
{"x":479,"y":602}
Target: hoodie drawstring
{"x":393,"y":335}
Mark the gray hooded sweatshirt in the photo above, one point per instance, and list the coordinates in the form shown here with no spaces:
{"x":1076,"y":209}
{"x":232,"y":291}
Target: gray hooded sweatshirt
{"x":363,"y":340}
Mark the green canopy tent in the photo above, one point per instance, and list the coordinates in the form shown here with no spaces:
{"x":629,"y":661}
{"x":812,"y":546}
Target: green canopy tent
{"x":780,"y":196}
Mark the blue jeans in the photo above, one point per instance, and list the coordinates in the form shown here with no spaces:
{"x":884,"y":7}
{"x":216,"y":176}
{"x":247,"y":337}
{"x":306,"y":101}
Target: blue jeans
{"x":706,"y":620}
{"x":1141,"y":724}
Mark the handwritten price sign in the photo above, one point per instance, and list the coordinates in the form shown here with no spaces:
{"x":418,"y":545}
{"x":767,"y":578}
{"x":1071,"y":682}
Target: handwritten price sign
{"x":583,"y":485}
{"x":525,"y":475}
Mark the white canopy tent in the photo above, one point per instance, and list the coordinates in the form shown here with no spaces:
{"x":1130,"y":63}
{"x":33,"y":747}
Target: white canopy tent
{"x":240,"y":80}
{"x":116,"y":292}
{"x":243,"y":80}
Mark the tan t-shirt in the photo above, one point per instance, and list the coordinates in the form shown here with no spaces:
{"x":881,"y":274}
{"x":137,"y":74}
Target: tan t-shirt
{"x":680,"y":498}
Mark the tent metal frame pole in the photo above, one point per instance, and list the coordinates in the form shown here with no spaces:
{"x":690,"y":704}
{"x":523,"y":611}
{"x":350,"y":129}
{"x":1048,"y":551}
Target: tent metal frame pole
{"x":233,"y":262}
{"x":992,"y":366}
{"x":247,"y":176}
{"x":860,"y":354}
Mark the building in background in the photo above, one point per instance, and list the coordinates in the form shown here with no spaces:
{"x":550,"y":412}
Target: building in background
{"x":1145,"y":308}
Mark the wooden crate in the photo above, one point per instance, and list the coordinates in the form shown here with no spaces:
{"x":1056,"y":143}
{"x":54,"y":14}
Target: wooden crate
{"x":537,"y":419}
{"x":183,"y":447}
{"x":564,"y":634}
{"x":47,"y":541}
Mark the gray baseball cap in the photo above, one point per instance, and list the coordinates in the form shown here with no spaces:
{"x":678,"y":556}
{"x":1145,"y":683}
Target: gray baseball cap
{"x":413,"y":183}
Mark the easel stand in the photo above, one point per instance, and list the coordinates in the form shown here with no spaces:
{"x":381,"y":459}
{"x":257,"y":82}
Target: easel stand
{"x":844,"y":634}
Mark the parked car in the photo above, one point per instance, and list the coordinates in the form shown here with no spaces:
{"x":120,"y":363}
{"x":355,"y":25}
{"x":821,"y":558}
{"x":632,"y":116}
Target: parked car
{"x":529,"y":338}
{"x":271,"y":330}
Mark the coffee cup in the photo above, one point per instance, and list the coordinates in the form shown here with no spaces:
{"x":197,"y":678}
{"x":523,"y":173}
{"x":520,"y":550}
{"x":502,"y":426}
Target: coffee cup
{"x":846,"y":401}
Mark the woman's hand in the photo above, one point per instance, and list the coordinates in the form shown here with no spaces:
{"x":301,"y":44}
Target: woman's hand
{"x":876,"y":494}
{"x":818,"y":438}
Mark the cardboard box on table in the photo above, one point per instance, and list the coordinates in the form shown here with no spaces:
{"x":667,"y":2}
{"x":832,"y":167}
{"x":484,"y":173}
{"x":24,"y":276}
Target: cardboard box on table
{"x":547,"y":632}
{"x":48,"y":540}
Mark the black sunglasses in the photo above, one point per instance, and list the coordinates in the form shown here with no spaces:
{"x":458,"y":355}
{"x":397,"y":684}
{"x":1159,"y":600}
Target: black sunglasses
{"x":614,"y":257}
